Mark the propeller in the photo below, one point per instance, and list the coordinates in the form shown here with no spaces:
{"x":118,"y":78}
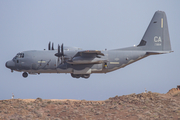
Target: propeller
{"x":60,"y":53}
{"x":49,"y":46}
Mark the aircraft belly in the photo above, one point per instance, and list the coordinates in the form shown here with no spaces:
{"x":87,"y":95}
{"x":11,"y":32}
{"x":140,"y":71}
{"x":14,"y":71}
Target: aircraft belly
{"x":67,"y":70}
{"x":45,"y":71}
{"x":40,"y":71}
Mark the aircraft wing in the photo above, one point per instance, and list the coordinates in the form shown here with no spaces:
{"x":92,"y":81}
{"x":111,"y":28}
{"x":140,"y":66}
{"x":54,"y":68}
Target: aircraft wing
{"x":89,"y":53}
{"x":87,"y":57}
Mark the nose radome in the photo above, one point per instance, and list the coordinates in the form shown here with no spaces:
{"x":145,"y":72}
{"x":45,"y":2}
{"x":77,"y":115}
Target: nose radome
{"x":6,"y":64}
{"x":10,"y":64}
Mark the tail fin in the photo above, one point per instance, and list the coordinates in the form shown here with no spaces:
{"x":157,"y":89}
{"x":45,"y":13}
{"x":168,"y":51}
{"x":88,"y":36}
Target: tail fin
{"x":156,"y":37}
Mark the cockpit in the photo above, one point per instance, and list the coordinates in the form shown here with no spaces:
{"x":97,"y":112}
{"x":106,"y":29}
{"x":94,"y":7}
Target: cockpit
{"x":19,"y":55}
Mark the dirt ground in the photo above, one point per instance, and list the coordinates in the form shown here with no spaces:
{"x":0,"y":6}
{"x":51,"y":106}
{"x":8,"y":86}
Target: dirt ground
{"x":150,"y":106}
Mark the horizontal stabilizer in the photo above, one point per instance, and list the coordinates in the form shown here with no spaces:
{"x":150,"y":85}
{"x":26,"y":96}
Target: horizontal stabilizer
{"x":158,"y":52}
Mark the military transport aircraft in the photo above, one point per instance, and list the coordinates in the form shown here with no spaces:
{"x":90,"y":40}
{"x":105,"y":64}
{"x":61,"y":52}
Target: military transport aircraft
{"x":82,"y":63}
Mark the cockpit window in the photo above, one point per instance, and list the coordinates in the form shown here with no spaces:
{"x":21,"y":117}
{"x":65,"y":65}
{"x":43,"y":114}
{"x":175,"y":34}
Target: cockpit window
{"x":19,"y":55}
{"x":79,"y":49}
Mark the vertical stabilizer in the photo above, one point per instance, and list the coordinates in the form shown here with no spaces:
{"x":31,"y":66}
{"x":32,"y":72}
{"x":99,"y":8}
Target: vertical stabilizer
{"x":156,"y":37}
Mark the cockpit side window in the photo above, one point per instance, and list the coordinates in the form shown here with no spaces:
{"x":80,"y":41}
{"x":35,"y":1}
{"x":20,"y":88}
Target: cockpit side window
{"x":21,"y":55}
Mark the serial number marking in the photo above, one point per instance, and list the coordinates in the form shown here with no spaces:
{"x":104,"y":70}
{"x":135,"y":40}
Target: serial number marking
{"x":157,"y":44}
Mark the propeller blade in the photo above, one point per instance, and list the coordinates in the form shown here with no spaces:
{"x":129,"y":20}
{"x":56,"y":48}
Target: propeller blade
{"x":59,"y":50}
{"x":52,"y":46}
{"x":58,"y":54}
{"x":49,"y":46}
{"x":62,"y":50}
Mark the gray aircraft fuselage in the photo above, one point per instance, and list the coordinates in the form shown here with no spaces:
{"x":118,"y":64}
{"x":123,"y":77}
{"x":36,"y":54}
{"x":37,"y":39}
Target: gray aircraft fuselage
{"x":82,"y":63}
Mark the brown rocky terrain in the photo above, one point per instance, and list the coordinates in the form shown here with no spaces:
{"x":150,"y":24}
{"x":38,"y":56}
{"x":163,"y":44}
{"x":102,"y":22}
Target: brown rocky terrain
{"x":150,"y":106}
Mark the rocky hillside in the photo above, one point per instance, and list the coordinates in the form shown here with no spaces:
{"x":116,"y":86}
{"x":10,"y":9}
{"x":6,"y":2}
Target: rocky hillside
{"x":127,"y":107}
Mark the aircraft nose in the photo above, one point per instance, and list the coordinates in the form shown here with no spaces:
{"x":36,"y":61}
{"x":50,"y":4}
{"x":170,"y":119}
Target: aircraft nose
{"x":10,"y":64}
